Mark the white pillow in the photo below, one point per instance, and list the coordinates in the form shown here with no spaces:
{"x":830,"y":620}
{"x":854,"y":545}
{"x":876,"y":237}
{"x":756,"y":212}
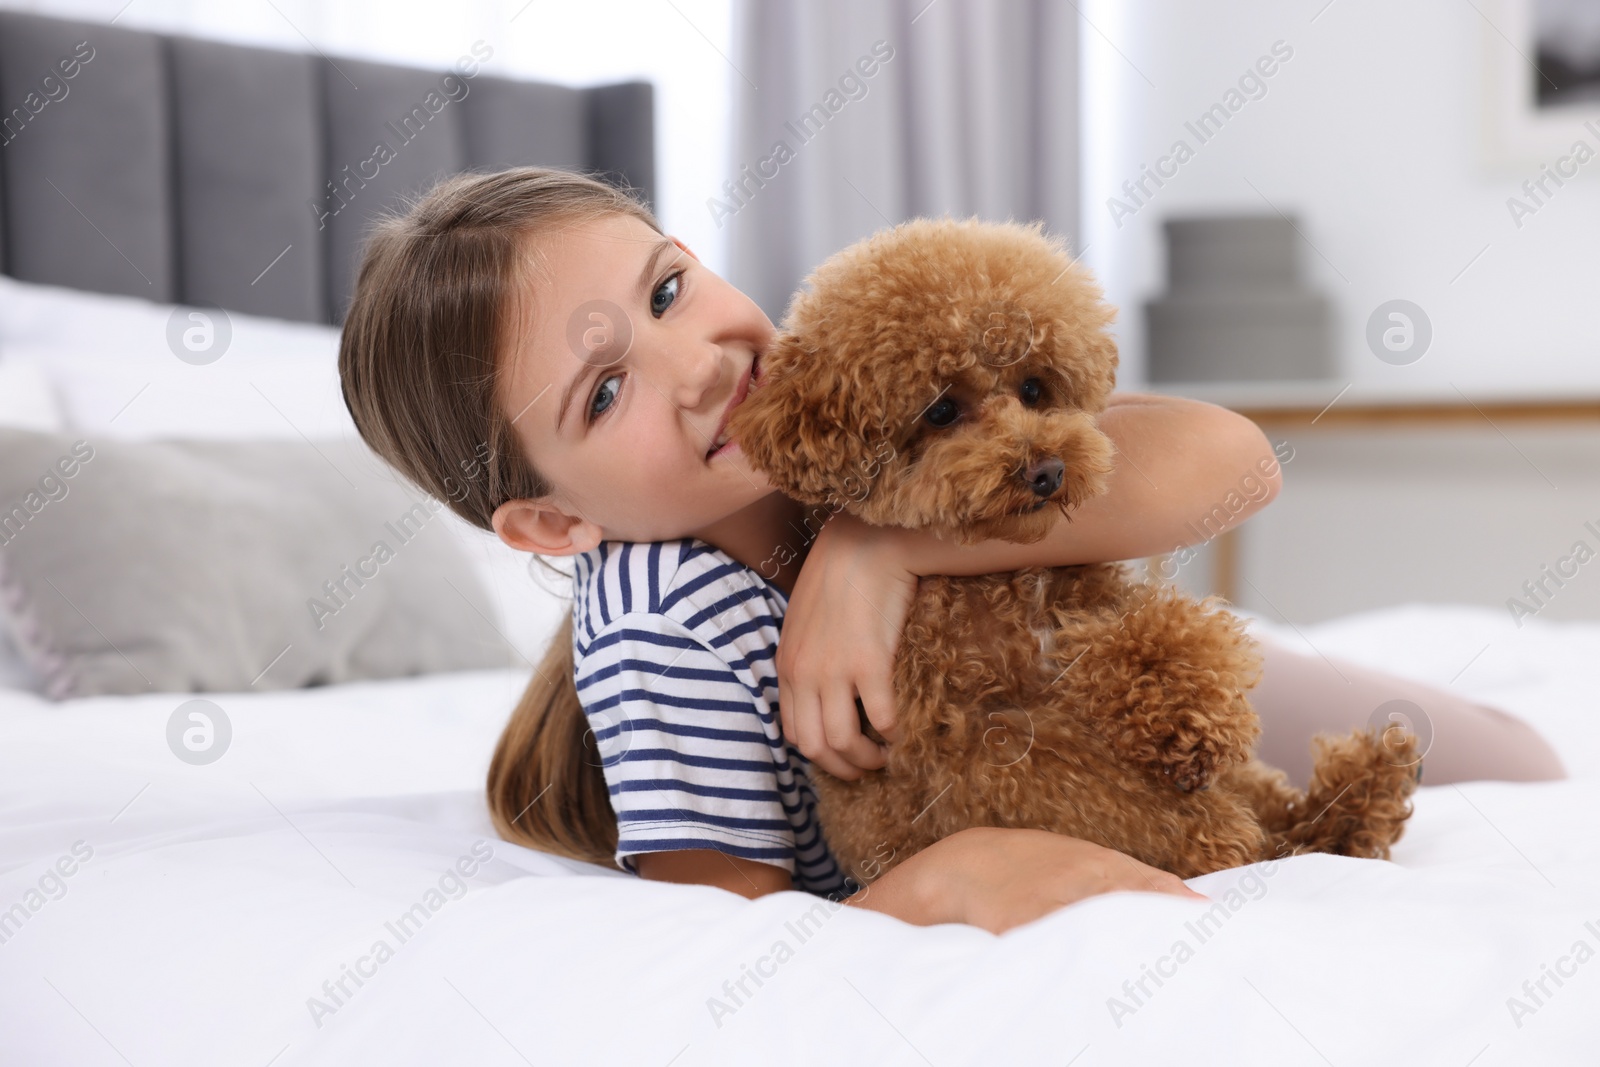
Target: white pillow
{"x":74,"y":320}
{"x":26,"y":400}
{"x":112,"y":365}
{"x":115,"y":367}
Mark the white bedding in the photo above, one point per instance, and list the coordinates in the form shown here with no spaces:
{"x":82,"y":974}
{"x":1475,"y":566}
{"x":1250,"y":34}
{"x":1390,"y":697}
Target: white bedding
{"x":216,"y":901}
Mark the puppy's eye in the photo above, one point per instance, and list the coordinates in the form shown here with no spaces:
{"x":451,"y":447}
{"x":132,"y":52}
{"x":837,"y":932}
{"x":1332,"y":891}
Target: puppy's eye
{"x":1031,"y":392}
{"x":941,"y":413}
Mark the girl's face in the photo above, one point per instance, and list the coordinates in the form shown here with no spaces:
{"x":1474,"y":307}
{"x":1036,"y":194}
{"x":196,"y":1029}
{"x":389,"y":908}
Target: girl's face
{"x":619,"y":380}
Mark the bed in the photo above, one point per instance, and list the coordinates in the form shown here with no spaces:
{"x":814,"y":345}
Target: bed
{"x":328,"y":887}
{"x":220,"y":908}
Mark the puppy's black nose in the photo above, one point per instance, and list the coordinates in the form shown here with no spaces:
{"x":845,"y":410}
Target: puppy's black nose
{"x":1044,"y":477}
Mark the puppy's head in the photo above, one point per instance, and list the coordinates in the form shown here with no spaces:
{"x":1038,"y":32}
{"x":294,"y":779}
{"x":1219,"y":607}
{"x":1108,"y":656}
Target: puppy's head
{"x":942,"y":375}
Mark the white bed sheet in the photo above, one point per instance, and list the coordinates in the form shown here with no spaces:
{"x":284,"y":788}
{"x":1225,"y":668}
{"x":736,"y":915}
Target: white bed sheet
{"x":217,"y":900}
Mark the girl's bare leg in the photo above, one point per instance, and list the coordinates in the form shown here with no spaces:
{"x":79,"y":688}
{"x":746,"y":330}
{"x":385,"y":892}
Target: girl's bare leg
{"x":1301,"y":695}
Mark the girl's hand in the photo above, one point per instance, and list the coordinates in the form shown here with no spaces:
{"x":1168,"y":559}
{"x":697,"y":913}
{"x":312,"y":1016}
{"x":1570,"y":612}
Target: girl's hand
{"x":999,"y":878}
{"x":839,"y":637}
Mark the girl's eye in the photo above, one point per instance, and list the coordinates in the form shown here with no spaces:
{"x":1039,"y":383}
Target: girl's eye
{"x":675,"y":280}
{"x":605,"y":396}
{"x":1031,"y":391}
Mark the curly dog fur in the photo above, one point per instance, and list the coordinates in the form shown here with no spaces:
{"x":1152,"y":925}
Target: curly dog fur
{"x":947,"y":375}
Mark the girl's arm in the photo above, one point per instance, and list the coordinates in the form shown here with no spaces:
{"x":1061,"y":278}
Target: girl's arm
{"x":1184,"y":471}
{"x":997,"y":878}
{"x":707,"y":866}
{"x":989,"y":877}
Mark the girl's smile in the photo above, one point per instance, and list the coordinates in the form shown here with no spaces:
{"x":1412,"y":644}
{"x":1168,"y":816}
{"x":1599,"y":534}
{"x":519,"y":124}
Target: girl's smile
{"x":721,"y":444}
{"x":625,"y":409}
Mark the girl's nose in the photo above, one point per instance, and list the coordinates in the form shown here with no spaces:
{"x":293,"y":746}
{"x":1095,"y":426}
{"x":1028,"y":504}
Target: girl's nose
{"x":696,"y":372}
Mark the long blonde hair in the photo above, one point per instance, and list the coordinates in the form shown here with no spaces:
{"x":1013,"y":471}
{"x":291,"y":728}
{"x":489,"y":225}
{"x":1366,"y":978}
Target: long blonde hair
{"x":419,"y":361}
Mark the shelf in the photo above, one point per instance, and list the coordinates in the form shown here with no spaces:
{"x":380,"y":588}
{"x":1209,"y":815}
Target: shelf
{"x":1331,"y":402}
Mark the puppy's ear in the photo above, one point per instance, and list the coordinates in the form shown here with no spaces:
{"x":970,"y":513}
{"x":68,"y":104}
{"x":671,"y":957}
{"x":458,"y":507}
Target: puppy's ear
{"x":793,"y":425}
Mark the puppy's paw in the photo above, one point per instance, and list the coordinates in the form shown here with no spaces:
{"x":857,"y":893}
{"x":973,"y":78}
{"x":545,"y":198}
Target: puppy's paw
{"x":1191,"y":756}
{"x":1186,"y":760}
{"x":1191,"y":769}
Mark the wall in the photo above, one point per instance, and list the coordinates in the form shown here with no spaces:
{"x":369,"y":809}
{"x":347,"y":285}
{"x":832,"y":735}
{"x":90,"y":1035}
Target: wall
{"x":1371,"y":133}
{"x":1374,"y":516}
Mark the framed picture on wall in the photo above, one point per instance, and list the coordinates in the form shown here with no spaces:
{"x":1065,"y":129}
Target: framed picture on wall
{"x":1543,"y":83}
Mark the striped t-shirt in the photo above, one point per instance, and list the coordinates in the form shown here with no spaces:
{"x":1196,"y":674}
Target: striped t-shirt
{"x":674,"y":644}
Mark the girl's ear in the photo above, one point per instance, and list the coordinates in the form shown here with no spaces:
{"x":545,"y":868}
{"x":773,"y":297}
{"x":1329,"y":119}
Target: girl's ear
{"x":538,"y":526}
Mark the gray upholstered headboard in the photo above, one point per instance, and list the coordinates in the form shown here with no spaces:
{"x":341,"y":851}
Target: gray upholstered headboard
{"x":181,"y":170}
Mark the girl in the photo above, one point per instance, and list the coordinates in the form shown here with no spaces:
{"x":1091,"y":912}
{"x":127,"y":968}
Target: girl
{"x":541,"y":319}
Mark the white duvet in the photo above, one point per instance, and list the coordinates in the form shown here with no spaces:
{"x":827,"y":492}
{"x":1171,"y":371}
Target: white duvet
{"x":331,"y":891}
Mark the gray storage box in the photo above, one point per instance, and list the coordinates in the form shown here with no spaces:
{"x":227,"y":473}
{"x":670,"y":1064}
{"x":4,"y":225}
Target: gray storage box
{"x":1236,"y":309}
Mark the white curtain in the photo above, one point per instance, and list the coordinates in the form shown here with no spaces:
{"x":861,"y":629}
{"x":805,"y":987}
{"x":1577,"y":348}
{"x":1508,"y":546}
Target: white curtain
{"x":970,"y":108}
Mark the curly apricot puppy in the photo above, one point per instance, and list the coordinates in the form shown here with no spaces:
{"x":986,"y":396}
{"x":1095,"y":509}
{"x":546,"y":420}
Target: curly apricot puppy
{"x":947,"y":375}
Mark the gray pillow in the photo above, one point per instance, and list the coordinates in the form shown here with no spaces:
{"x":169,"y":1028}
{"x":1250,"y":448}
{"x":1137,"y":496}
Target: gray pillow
{"x":196,"y":566}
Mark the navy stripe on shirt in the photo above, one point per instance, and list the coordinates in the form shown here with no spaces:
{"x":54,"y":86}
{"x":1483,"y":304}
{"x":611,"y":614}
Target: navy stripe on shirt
{"x":692,"y":746}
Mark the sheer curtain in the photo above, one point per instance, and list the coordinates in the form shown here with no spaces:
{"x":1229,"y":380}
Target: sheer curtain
{"x":851,"y":115}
